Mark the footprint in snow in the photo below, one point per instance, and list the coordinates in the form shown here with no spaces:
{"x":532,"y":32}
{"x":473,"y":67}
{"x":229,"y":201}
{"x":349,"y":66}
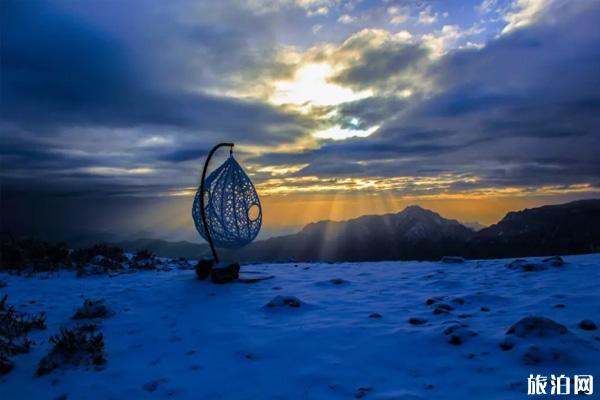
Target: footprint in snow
{"x":152,"y":385}
{"x":457,"y":334}
{"x":442,"y":308}
{"x":175,"y":339}
{"x":338,"y":281}
{"x":362,"y":392}
{"x":333,"y":282}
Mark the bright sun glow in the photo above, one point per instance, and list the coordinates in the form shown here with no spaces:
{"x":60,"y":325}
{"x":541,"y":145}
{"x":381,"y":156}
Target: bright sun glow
{"x":311,"y":86}
{"x":339,"y":133}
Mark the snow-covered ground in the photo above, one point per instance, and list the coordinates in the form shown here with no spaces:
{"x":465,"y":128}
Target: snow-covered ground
{"x":174,"y":336}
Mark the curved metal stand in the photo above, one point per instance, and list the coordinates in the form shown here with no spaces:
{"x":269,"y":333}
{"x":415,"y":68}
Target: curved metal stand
{"x":202,"y":211}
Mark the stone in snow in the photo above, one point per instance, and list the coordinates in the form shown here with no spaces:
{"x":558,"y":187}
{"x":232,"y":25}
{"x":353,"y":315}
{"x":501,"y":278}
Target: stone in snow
{"x":588,"y":325}
{"x":203,"y":267}
{"x":537,"y":327}
{"x":225,"y":273}
{"x":93,"y":308}
{"x":284,"y":301}
{"x":534,"y":265}
{"x":458,"y":333}
{"x":555,"y":261}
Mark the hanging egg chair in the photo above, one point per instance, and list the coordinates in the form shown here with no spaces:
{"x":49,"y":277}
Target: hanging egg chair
{"x":226,"y":210}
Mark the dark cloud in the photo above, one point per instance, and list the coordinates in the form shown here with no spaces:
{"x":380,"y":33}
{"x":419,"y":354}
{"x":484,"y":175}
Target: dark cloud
{"x":86,"y":88}
{"x":463,"y":100}
{"x":51,"y":60}
{"x":370,"y":111}
{"x":186,"y":154}
{"x":57,"y":72}
{"x":376,"y":65}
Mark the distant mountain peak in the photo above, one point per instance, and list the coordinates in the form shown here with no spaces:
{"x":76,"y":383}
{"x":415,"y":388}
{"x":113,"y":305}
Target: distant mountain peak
{"x":419,"y":213}
{"x":415,"y":209}
{"x":413,"y":233}
{"x":474,"y":225}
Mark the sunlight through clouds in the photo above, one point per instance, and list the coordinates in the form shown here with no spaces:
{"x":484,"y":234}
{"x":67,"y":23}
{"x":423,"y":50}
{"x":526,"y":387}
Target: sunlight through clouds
{"x":311,"y":86}
{"x":523,"y":13}
{"x":339,"y":133}
{"x":278,"y":170}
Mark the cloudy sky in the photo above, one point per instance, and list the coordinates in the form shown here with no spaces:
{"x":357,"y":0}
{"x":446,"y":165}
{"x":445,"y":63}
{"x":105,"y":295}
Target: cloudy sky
{"x":337,"y":108}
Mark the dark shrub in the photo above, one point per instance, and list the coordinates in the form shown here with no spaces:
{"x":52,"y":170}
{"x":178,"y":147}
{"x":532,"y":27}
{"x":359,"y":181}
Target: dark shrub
{"x":78,"y":346}
{"x":11,"y":256}
{"x":33,"y":255}
{"x":14,"y":324}
{"x":85,"y":255}
{"x":98,"y":259}
{"x":14,"y":327}
{"x":6,"y":365}
{"x":14,"y":346}
{"x":144,"y":259}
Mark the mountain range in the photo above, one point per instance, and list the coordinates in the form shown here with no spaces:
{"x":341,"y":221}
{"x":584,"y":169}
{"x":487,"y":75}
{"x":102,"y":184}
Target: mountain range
{"x":571,"y":228}
{"x":414,"y":233}
{"x":418,"y":234}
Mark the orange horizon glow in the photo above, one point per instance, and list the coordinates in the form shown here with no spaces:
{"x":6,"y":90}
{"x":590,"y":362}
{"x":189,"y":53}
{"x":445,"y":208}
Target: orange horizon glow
{"x":299,"y":210}
{"x":283,"y":214}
